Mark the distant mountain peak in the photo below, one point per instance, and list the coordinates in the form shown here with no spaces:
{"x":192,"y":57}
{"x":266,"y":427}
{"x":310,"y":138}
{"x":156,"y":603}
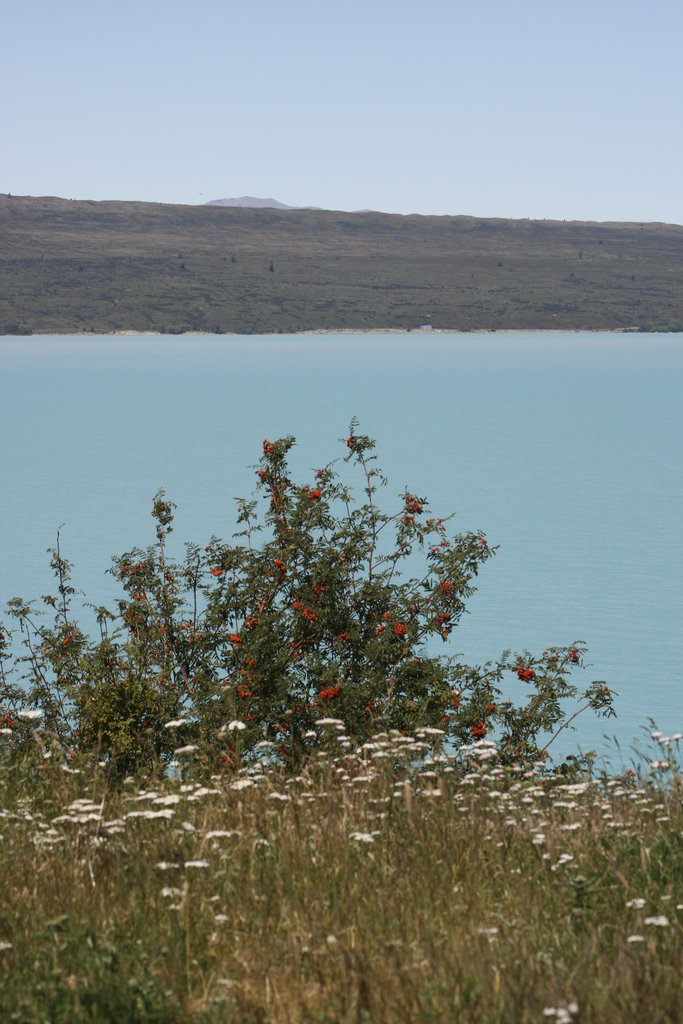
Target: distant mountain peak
{"x":254,"y":203}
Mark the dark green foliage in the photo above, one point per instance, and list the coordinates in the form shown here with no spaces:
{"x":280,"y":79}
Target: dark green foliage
{"x":314,"y":611}
{"x":79,"y":977}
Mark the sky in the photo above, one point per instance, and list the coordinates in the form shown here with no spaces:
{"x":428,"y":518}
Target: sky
{"x":491,"y":108}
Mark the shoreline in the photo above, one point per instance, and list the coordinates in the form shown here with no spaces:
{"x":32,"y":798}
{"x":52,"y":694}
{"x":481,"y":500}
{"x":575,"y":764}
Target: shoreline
{"x":341,"y":331}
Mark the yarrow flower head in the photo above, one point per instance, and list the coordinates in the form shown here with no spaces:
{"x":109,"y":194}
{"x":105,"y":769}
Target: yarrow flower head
{"x":562,"y":1014}
{"x":362,"y":837}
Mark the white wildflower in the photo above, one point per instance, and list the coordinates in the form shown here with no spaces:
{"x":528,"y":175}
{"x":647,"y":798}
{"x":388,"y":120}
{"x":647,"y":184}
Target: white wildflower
{"x":236,"y":725}
{"x":565,"y":858}
{"x":186,"y":750}
{"x":204,"y":791}
{"x":659,"y":922}
{"x":485,"y":755}
{"x":175,"y":723}
{"x":563,"y":1014}
{"x":242,"y":784}
{"x":196,"y":863}
{"x":635,"y":938}
{"x":637,"y":903}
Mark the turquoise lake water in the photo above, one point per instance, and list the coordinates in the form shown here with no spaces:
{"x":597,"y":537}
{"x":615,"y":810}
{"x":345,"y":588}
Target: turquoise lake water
{"x":565,"y":449}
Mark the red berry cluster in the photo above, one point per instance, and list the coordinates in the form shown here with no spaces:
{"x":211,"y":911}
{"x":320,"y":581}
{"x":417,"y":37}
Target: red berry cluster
{"x":330,"y":693}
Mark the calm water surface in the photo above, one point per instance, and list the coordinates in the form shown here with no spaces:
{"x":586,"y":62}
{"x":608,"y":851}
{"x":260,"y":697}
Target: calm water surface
{"x":565,"y":449}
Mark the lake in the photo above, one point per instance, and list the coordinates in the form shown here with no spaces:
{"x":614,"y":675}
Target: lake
{"x":565,"y":449}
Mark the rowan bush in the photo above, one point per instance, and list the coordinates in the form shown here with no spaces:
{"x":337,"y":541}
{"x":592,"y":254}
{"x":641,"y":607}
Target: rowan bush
{"x":314,"y":611}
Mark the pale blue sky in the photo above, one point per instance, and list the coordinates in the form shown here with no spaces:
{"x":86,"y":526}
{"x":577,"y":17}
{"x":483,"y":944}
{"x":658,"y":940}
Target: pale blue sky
{"x":511,"y":108}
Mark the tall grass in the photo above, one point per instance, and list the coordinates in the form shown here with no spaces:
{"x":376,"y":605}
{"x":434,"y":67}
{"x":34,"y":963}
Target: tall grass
{"x":379,"y":885}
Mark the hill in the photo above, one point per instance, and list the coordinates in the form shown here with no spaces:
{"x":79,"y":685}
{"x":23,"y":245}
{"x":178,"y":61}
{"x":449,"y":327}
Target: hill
{"x":252,"y":202}
{"x":70,"y":266}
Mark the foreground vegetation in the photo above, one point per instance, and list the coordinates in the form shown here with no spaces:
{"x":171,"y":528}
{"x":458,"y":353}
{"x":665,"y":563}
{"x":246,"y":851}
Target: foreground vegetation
{"x":101,"y":267}
{"x":379,"y":883}
{"x":258,"y":795}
